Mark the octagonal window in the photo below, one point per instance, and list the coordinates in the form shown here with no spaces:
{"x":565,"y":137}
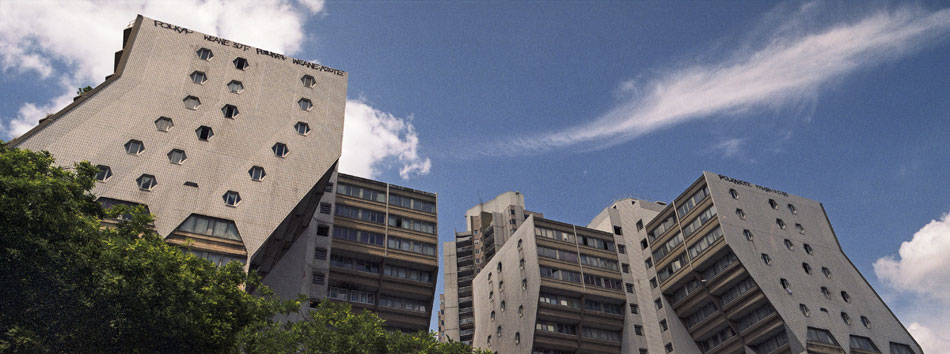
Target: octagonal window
{"x":205,"y":54}
{"x":164,"y":124}
{"x":308,"y":81}
{"x":134,"y":147}
{"x":302,"y":128}
{"x":257,"y":173}
{"x":204,"y":133}
{"x":198,"y":77}
{"x":235,"y":86}
{"x":241,"y":63}
{"x":192,"y":102}
{"x":104,"y":173}
{"x":280,"y":149}
{"x":305,"y":104}
{"x":230,"y":111}
{"x":231,"y":198}
{"x":177,"y":156}
{"x":146,"y":182}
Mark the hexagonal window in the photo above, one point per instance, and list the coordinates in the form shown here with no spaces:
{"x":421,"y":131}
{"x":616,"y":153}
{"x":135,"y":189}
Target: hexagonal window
{"x":241,"y":63}
{"x":204,"y":133}
{"x":104,"y":173}
{"x":231,"y":198}
{"x":205,"y":54}
{"x":177,"y":156}
{"x":230,"y":111}
{"x":198,"y":77}
{"x":146,"y":182}
{"x":235,"y":86}
{"x":302,"y":128}
{"x":280,"y":149}
{"x":192,"y":102}
{"x":164,"y":124}
{"x":305,"y":104}
{"x":134,"y":147}
{"x":308,"y":81}
{"x":257,"y":173}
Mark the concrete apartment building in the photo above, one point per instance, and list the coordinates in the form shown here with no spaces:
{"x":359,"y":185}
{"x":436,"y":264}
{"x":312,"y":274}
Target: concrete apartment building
{"x":234,"y":150}
{"x":488,"y":226}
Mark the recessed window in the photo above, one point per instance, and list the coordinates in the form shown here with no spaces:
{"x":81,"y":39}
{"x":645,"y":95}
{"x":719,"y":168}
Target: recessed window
{"x":230,"y":111}
{"x":669,"y":347}
{"x":845,"y":296}
{"x":205,"y":54}
{"x":517,"y":338}
{"x":164,"y":124}
{"x":305,"y":104}
{"x":520,"y":243}
{"x":492,"y":316}
{"x":792,"y":208}
{"x":638,"y":329}
{"x":308,"y":81}
{"x":204,"y":133}
{"x":808,"y":248}
{"x":747,"y":234}
{"x":177,"y":156}
{"x":104,"y":173}
{"x":786,"y":285}
{"x":826,"y":292}
{"x":773,"y":204}
{"x":192,"y":102}
{"x":502,"y":305}
{"x":134,"y":147}
{"x":866,"y":322}
{"x":499,"y":267}
{"x":806,"y":267}
{"x":740,"y":213}
{"x":766,"y":259}
{"x":643,"y":244}
{"x":520,"y":263}
{"x":804,"y":309}
{"x":789,"y":245}
{"x":520,"y":310}
{"x":501,"y":285}
{"x":257,"y":173}
{"x":524,"y":284}
{"x":231,"y":198}
{"x":846,"y":318}
{"x":280,"y":149}
{"x":780,"y":223}
{"x":146,"y":182}
{"x":241,"y":63}
{"x":302,"y":128}
{"x":800,"y":228}
{"x":235,"y":86}
{"x":826,"y":271}
{"x":198,"y":77}
{"x":488,"y":340}
{"x":733,"y":193}
{"x":664,"y":326}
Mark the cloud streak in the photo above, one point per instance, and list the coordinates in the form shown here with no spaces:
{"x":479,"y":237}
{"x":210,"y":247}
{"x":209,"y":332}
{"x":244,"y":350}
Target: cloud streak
{"x":789,"y":68}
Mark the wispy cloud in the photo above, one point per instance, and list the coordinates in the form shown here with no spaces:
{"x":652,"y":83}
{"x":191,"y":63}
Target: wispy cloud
{"x":729,"y":147}
{"x":790,"y":67}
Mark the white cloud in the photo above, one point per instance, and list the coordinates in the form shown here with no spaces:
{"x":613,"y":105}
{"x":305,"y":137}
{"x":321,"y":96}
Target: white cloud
{"x":788,"y":68}
{"x":373,"y":138}
{"x":730,"y":147}
{"x":922,"y":264}
{"x":74,"y":41}
{"x":930,"y":341}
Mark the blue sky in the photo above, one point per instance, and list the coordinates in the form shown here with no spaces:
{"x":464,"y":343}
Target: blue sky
{"x":576,"y":104}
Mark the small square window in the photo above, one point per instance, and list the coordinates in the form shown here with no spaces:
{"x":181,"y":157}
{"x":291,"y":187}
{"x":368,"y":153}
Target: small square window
{"x":177,"y":156}
{"x":648,"y":262}
{"x":240,"y":63}
{"x":134,"y":147}
{"x":653,"y":283}
{"x":229,"y":111}
{"x":663,"y":325}
{"x":618,"y":230}
{"x":621,"y":249}
{"x":325,"y":208}
{"x":104,"y":173}
{"x":231,"y":198}
{"x":320,"y":253}
{"x":302,"y":128}
{"x":319,"y":278}
{"x":305,"y":104}
{"x":669,"y":347}
{"x":257,"y":173}
{"x":634,"y":309}
{"x":308,"y":81}
{"x":625,"y":267}
{"x":323,"y":230}
{"x":629,"y":287}
{"x":280,"y":149}
{"x":658,"y":303}
{"x":198,"y":77}
{"x":638,"y":329}
{"x":643,"y":351}
{"x":205,"y":54}
{"x":235,"y":86}
{"x":164,"y":124}
{"x":643,"y":244}
{"x":192,"y":102}
{"x":639,"y":225}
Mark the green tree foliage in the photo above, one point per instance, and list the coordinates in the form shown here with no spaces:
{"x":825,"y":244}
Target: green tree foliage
{"x":334,"y":328}
{"x":83,"y":90}
{"x":68,"y":284}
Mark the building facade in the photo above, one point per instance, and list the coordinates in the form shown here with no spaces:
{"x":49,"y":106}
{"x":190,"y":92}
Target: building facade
{"x":234,"y":150}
